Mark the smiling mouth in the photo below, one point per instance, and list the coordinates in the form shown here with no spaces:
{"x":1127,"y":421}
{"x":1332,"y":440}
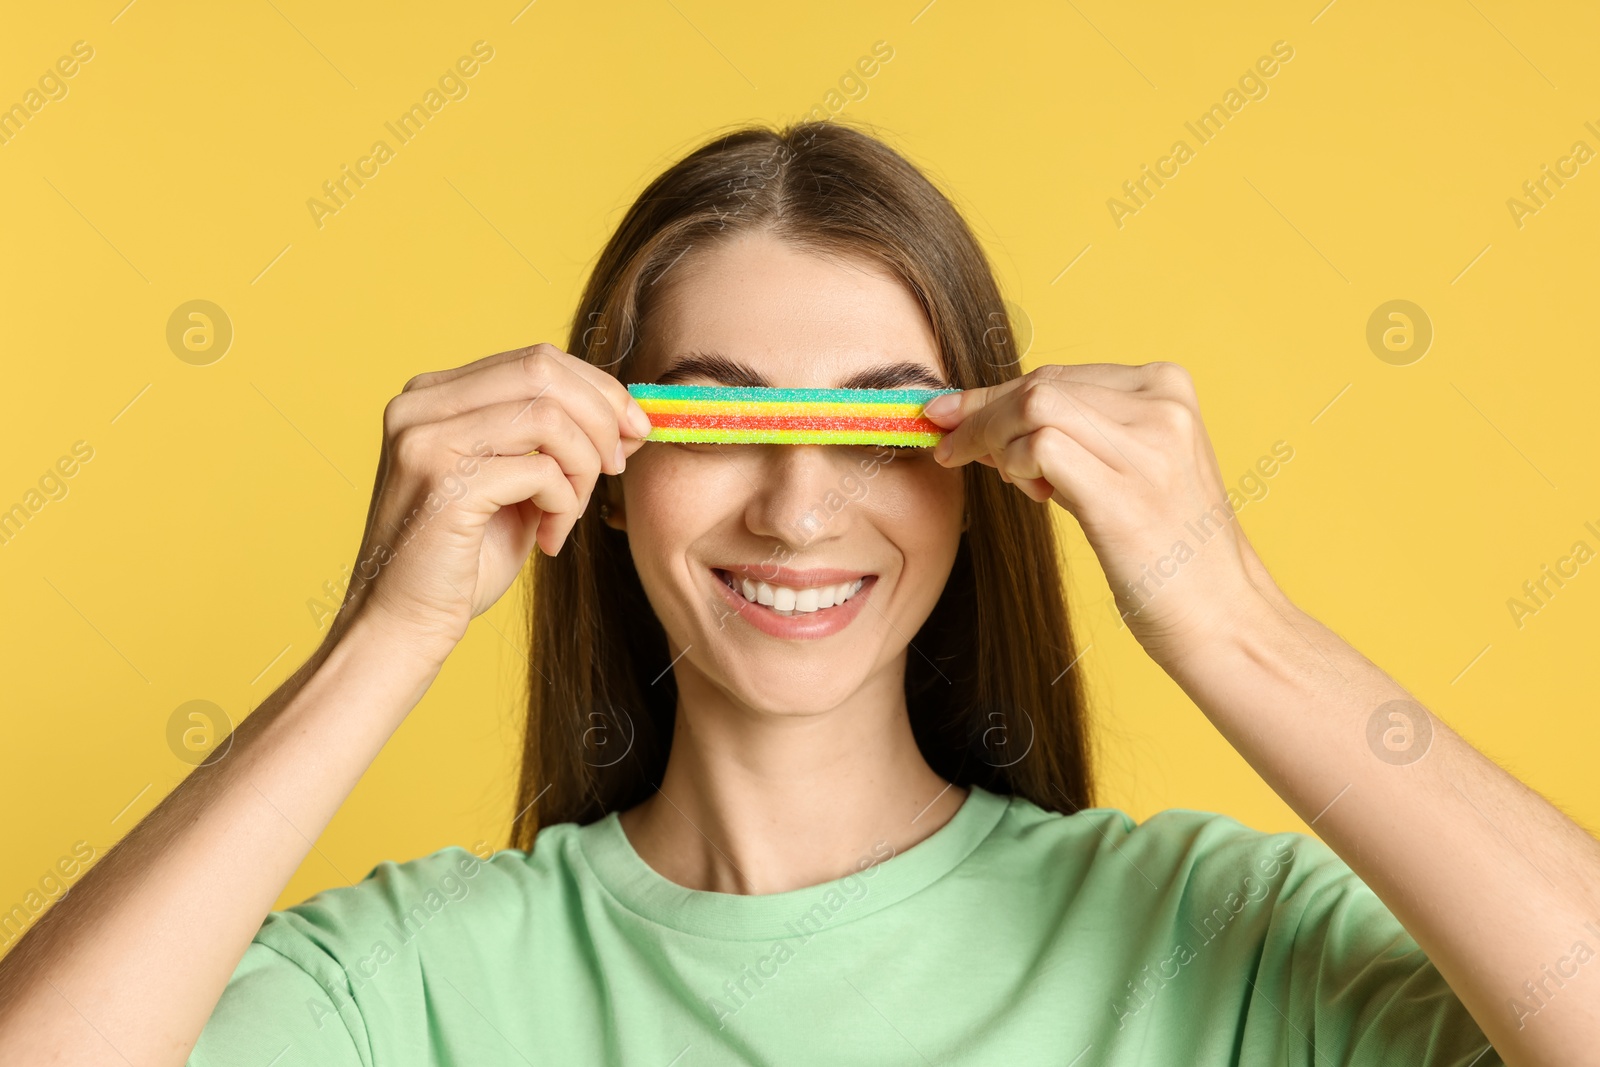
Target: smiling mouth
{"x":788,"y":600}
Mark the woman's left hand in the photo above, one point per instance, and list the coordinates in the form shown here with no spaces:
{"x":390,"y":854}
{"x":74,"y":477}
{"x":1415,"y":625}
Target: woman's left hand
{"x":1124,"y":450}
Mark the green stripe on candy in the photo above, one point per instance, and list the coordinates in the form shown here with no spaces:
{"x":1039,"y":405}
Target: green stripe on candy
{"x":758,"y":395}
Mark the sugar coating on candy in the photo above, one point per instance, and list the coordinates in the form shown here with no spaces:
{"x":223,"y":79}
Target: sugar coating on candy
{"x":766,"y":395}
{"x":759,"y":415}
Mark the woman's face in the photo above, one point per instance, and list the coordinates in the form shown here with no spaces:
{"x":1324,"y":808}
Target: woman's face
{"x":815,"y":523}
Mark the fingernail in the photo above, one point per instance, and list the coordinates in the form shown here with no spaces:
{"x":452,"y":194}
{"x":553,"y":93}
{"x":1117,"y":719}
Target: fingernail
{"x":940,"y":406}
{"x":941,"y":451}
{"x":620,"y":459}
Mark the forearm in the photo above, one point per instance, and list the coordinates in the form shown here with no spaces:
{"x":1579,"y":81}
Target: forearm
{"x":136,"y":956}
{"x":1493,"y":882}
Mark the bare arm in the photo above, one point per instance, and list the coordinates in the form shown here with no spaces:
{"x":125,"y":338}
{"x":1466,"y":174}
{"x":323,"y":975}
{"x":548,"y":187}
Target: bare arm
{"x":1495,"y":884}
{"x":479,"y":464}
{"x":130,"y":964}
{"x":1498,"y":887}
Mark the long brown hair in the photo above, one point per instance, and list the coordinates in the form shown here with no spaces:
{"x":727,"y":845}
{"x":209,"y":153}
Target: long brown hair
{"x":990,"y":697}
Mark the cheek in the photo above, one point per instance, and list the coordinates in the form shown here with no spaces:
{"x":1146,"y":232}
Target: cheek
{"x":917,"y":504}
{"x":671,"y":497}
{"x":917,"y":494}
{"x":661,"y":470}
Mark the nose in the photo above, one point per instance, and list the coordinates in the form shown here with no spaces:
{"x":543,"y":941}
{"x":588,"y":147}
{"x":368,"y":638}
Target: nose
{"x":801,"y":494}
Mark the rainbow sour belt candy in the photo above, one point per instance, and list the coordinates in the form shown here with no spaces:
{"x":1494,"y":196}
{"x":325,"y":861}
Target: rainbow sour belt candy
{"x":746,"y":415}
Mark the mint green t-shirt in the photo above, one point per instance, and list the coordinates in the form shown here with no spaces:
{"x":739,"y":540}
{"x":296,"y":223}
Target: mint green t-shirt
{"x":1010,"y":936}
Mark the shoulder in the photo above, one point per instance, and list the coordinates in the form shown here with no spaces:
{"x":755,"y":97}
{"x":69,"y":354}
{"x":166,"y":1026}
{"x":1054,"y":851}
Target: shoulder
{"x":1204,"y":850}
{"x":1193,"y":878}
{"x":449,"y":890}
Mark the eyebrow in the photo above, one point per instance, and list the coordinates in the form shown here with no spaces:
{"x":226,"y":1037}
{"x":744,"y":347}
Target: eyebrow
{"x":720,"y":368}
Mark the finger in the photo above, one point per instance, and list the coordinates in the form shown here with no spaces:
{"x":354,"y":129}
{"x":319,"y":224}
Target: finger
{"x":952,"y":409}
{"x":1161,"y":377}
{"x":972,"y":423}
{"x":1050,"y":462}
{"x":628,"y":410}
{"x":439,"y":377}
{"x":508,"y":481}
{"x":524,"y":372}
{"x":537,"y":479}
{"x":1038,"y":403}
{"x":543,"y":379}
{"x":515,"y":428}
{"x":959,"y":406}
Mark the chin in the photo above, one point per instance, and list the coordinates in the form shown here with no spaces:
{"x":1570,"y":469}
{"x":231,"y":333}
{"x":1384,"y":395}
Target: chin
{"x":772,"y":689}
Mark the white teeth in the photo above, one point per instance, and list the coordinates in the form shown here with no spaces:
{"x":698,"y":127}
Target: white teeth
{"x":787,"y":601}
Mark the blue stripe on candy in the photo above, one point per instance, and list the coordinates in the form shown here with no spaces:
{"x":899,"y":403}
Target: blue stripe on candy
{"x":753,"y":394}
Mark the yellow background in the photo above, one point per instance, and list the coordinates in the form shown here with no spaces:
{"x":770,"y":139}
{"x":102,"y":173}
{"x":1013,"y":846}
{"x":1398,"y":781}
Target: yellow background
{"x":178,"y":167}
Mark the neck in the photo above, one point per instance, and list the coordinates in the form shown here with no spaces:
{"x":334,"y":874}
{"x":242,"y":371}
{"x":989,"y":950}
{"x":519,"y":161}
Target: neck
{"x":753,"y":802}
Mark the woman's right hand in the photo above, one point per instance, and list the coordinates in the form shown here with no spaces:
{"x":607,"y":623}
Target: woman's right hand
{"x":458,"y":502}
{"x":147,"y":940}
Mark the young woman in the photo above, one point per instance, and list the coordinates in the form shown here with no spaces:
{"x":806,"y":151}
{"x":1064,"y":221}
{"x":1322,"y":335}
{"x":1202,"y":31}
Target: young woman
{"x":805,"y":776}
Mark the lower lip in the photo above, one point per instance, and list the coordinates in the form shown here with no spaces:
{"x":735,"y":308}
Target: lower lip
{"x":806,"y":626}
